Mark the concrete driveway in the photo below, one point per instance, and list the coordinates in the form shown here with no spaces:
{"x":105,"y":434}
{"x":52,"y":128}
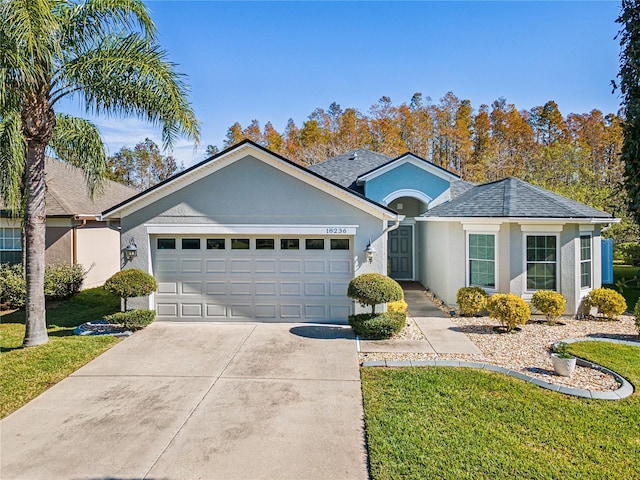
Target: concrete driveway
{"x":199,"y":401}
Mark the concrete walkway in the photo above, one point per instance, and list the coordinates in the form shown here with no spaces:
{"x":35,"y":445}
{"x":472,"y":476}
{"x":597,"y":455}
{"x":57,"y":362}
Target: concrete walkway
{"x":439,"y":331}
{"x":199,"y":401}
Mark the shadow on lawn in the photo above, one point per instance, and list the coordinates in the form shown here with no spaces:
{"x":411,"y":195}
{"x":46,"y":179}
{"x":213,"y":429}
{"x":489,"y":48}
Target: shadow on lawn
{"x":616,"y":336}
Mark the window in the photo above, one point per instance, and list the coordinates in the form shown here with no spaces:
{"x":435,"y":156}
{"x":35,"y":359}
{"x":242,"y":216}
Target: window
{"x":289,"y":244}
{"x":215,"y":244}
{"x":265,"y":244}
{"x":10,"y":245}
{"x":191,"y":244}
{"x":240,"y":244}
{"x":339,"y":244}
{"x":166,"y":244}
{"x":482,"y":260}
{"x":314,"y":244}
{"x":542,"y":262}
{"x":585,"y":261}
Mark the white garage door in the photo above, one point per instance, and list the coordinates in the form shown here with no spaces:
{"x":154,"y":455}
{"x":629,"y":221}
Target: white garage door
{"x":217,"y":278}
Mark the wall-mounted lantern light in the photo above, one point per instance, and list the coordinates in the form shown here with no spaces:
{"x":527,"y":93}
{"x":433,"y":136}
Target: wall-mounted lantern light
{"x":130,"y":251}
{"x":369,"y":251}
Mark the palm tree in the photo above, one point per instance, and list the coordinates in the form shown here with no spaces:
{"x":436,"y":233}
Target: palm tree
{"x":101,"y":52}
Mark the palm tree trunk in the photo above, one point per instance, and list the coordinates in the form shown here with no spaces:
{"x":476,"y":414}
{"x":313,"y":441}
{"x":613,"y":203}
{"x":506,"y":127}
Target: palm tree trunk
{"x":36,"y":325}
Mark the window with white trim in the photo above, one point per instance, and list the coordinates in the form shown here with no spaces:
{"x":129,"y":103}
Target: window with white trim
{"x":585,"y":261}
{"x":482,"y":260}
{"x":542,"y":262}
{"x":10,"y":245}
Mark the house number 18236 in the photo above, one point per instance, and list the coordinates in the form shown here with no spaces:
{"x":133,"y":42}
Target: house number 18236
{"x":335,"y":230}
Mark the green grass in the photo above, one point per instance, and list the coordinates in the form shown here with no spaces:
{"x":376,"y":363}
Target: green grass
{"x":632,"y":292}
{"x":27,"y":372}
{"x":462,"y":423}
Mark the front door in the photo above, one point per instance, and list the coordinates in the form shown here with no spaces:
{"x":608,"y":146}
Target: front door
{"x":401,"y":253}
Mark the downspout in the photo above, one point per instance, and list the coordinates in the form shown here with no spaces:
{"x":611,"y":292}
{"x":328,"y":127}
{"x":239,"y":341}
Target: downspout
{"x":395,"y":225}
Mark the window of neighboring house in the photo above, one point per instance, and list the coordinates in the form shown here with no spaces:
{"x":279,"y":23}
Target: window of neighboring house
{"x":585,"y":261}
{"x":191,"y":244}
{"x":166,"y":243}
{"x":542,"y":262}
{"x":339,"y":244}
{"x":10,"y":245}
{"x":482,"y":260}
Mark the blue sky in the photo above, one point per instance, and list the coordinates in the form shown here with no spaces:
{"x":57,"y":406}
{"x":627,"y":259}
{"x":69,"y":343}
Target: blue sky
{"x":278,"y":60}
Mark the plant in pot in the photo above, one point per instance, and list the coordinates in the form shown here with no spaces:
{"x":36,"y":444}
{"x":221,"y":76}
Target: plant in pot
{"x":563,"y":362}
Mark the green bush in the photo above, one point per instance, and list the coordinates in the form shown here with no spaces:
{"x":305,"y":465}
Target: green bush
{"x":509,"y":309}
{"x":131,"y":282}
{"x":628,"y":252}
{"x":471,"y":300}
{"x":373,"y":289}
{"x":636,"y":312}
{"x":132,"y":319}
{"x":551,"y":304}
{"x":399,"y":306}
{"x":609,"y":302}
{"x":381,"y":325}
{"x":62,"y":280}
{"x":13,"y":286}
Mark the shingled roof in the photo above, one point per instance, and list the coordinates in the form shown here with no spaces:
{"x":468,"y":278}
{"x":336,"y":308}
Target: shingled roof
{"x":67,"y":193}
{"x":512,"y":197}
{"x":344,"y":169}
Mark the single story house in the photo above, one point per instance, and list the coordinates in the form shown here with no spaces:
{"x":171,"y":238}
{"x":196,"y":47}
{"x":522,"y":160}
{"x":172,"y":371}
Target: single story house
{"x":74,"y":232}
{"x":250,"y":235}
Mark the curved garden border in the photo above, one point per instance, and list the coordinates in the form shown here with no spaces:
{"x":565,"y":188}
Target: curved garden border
{"x":625,"y":390}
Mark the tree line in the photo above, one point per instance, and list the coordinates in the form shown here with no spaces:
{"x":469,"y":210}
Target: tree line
{"x":577,"y":155}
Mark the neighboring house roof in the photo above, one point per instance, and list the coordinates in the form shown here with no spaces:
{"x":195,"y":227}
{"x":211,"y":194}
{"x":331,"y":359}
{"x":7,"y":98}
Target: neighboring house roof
{"x":512,"y":197}
{"x":67,"y":192}
{"x":346,"y":168}
{"x":228,"y":156}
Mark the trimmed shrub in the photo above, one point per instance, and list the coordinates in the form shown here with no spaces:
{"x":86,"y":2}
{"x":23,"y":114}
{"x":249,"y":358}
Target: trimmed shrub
{"x":373,"y":289}
{"x":131,"y":282}
{"x":509,"y":309}
{"x":132,"y":319}
{"x":636,"y":312}
{"x":13,"y":287}
{"x":471,"y":300}
{"x":608,"y":302}
{"x":399,"y":306}
{"x":629,"y":252}
{"x":381,"y":325}
{"x":551,"y":304}
{"x":62,"y":280}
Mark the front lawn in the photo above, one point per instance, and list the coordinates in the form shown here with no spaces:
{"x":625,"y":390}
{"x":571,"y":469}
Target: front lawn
{"x":463,"y":423}
{"x":27,"y":372}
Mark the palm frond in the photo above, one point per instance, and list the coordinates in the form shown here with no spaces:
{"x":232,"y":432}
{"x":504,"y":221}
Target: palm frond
{"x":78,"y":142}
{"x":128,"y":75}
{"x":12,"y":162}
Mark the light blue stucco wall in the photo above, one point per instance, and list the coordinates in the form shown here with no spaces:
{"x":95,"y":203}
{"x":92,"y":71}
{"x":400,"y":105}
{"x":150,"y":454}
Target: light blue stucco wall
{"x":403,"y":177}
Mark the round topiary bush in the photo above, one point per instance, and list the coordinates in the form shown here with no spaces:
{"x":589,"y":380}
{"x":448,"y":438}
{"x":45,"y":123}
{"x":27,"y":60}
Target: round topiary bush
{"x":62,"y":280}
{"x":131,"y":282}
{"x":381,"y":325}
{"x":608,"y":302}
{"x":399,"y":306}
{"x":471,"y":300}
{"x":509,"y":309}
{"x":551,"y":304}
{"x":373,"y":289}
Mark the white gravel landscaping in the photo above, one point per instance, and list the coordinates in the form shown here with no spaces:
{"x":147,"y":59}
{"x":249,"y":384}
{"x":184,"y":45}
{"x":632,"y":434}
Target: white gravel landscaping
{"x":526,"y":351}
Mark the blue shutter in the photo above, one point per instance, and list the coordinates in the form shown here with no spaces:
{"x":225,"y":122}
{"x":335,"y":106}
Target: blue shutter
{"x":607,"y":261}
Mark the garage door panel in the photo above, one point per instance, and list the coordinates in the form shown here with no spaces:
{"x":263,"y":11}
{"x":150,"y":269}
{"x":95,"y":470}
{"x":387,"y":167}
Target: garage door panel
{"x":167,"y":288}
{"x":240,"y":266}
{"x":339,"y":266}
{"x":166,"y":266}
{"x":216,"y":288}
{"x":290,"y":266}
{"x":191,"y":288}
{"x":314,"y":266}
{"x":266,"y":312}
{"x":266,"y":288}
{"x":290,"y":288}
{"x":265,"y":266}
{"x":291,"y":311}
{"x":242,"y":311}
{"x":167,"y":309}
{"x":191,"y":265}
{"x":215,"y":310}
{"x":216,"y":266}
{"x":240,"y":288}
{"x":314,"y":289}
{"x":191,"y":309}
{"x":338,"y":289}
{"x":340,"y":311}
{"x":315,"y":311}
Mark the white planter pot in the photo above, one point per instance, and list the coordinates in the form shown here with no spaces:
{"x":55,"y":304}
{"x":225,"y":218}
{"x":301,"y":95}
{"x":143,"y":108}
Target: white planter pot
{"x":563,"y":366}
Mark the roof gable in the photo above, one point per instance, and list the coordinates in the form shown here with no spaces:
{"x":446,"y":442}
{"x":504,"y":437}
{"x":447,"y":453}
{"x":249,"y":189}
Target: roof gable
{"x":233,"y":154}
{"x":514,"y":198}
{"x":344,"y":169}
{"x":407,"y":158}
